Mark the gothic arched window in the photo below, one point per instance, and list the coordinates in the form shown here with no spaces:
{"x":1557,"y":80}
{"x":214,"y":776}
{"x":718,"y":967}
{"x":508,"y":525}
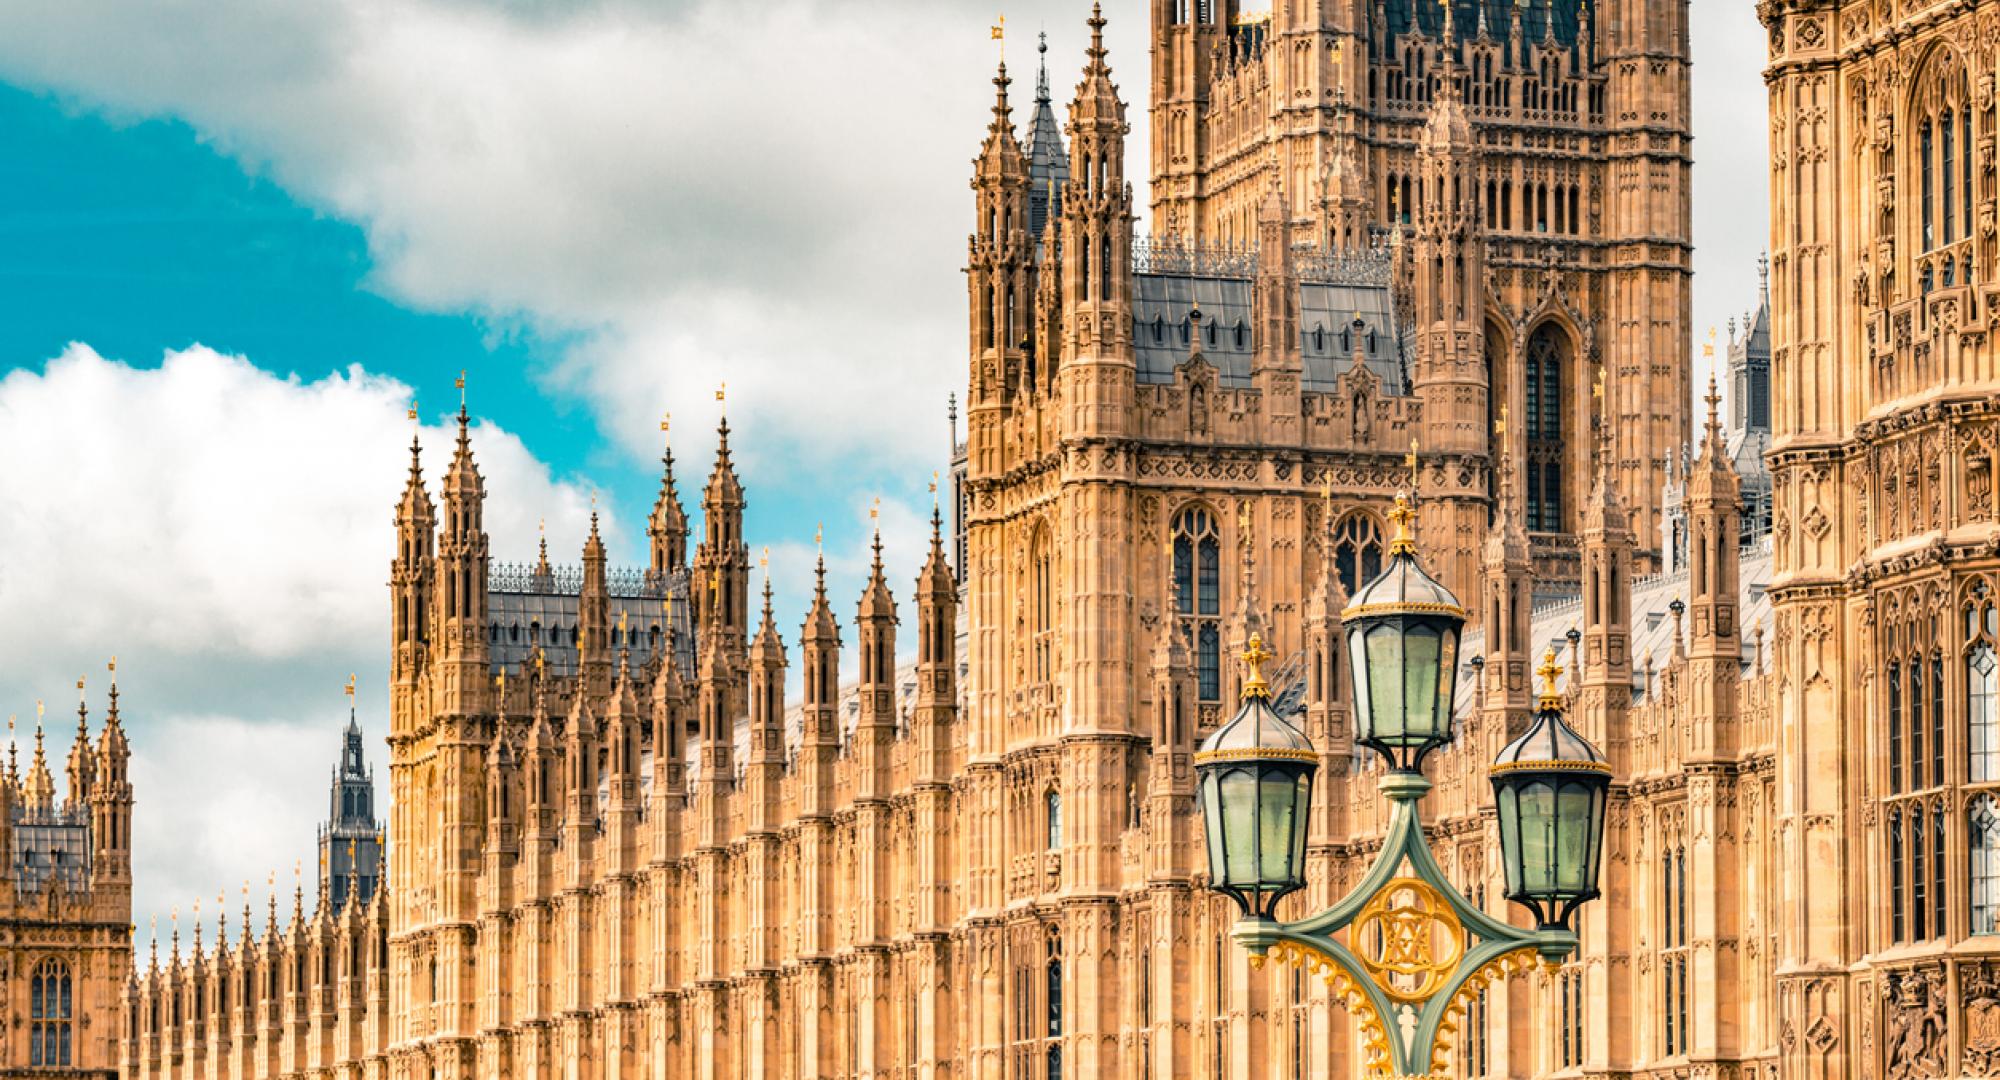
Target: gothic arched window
{"x":1357,"y":551}
{"x":1982,"y":689}
{"x":51,"y":1015}
{"x":1983,"y":834}
{"x":1053,"y":992}
{"x":1548,"y":356}
{"x":1042,"y":560}
{"x":1198,"y":596}
{"x":1052,"y":812}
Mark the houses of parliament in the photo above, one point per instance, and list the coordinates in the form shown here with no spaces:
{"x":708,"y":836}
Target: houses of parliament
{"x":1393,"y":245}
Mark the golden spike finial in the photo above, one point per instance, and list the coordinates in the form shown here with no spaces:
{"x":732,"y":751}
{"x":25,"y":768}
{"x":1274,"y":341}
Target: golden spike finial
{"x":1597,"y":386}
{"x":621,"y":623}
{"x":722,"y":392}
{"x":80,"y":699}
{"x":113,"y":665}
{"x":1410,"y":460}
{"x":819,"y":537}
{"x":764,"y":559}
{"x":461,"y":388}
{"x":1255,"y":656}
{"x":1708,"y":347}
{"x":1500,"y":426}
{"x":934,"y":489}
{"x":1000,"y":35}
{"x":350,"y":689}
{"x":500,"y":682}
{"x":1551,"y":697}
{"x":582,"y":637}
{"x":666,"y":423}
{"x":413,"y":409}
{"x":875,"y":512}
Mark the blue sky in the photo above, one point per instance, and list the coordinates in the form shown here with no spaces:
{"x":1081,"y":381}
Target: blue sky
{"x":236,"y":238}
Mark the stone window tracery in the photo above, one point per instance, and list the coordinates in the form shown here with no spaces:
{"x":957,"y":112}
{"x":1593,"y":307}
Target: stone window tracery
{"x":50,"y":1016}
{"x":1043,"y":563}
{"x":1357,"y":550}
{"x":1548,"y":355}
{"x":1941,"y":171}
{"x":1197,"y":595}
{"x":1053,"y":995}
{"x":1674,"y":949}
{"x":1982,"y":688}
{"x":1983,"y":829}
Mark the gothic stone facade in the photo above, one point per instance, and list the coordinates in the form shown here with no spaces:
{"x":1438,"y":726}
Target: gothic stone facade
{"x":617,"y":853}
{"x":66,"y":905}
{"x":1886,"y":538}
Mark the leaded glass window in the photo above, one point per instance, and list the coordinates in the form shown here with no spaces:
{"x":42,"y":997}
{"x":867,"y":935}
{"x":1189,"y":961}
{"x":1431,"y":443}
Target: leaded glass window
{"x":1197,"y":585}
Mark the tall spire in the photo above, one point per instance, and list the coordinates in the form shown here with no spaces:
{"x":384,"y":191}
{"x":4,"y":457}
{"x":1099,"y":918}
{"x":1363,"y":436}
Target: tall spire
{"x":667,"y":529}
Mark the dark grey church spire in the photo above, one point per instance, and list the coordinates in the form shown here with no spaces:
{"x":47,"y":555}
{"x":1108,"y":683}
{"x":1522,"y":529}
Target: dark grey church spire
{"x":350,"y":842}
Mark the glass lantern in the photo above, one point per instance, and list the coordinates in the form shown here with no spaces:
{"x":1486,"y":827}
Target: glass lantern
{"x":1402,"y":640}
{"x":1549,"y":787}
{"x":1256,"y":775}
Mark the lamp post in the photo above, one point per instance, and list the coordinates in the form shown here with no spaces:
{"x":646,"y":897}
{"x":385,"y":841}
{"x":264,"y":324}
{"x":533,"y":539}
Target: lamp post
{"x":1415,"y":952}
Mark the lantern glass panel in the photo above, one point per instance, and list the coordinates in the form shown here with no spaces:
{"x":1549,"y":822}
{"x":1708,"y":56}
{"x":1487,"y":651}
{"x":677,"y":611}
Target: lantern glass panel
{"x":1420,"y":682}
{"x":1274,"y":822}
{"x":1538,"y":838}
{"x":1362,"y":684}
{"x":1385,"y":684}
{"x":1305,"y":782}
{"x":1239,"y":827}
{"x":1573,"y":852}
{"x":1211,"y":812}
{"x":1508,"y":802}
{"x":1447,"y":672}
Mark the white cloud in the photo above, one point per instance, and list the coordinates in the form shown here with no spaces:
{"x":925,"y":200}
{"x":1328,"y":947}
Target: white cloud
{"x":228,"y":533}
{"x":772,"y":194}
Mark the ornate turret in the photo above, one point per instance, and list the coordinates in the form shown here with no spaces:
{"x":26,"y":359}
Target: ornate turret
{"x":667,"y":528}
{"x":110,"y":799}
{"x":410,"y":586}
{"x":999,"y":261}
{"x":1506,"y":602}
{"x":765,"y":769}
{"x":81,"y":769}
{"x":875,"y":637}
{"x":461,"y":597}
{"x":38,"y":791}
{"x":819,"y":738}
{"x":720,"y":590}
{"x":937,"y":658}
{"x":1275,"y":363}
{"x":1715,"y":646}
{"x":593,"y":618}
{"x":1097,"y":248}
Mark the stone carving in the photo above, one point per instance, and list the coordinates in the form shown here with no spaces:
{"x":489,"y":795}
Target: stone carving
{"x":1979,"y":989}
{"x":1914,"y":1023}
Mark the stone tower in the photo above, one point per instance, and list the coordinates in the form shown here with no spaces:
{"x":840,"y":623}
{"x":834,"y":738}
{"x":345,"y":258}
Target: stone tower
{"x":350,"y":842}
{"x":1571,"y":167}
{"x":1884,"y":430}
{"x":66,"y":902}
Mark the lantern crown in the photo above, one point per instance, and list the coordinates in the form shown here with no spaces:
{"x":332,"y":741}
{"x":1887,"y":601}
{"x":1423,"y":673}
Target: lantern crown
{"x":1551,"y":698}
{"x":1402,"y":516}
{"x":1255,"y":656}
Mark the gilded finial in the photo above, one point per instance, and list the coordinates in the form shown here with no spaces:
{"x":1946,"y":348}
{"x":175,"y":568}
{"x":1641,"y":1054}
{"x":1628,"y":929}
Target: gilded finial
{"x":1500,"y":425}
{"x":666,"y":423}
{"x":80,"y":698}
{"x":1551,"y":697}
{"x":1255,"y":656}
{"x":1410,"y":460}
{"x":875,"y":512}
{"x":461,"y":389}
{"x":413,"y":409}
{"x":1000,"y":35}
{"x":350,"y":689}
{"x":721,"y":391}
{"x":1400,"y":515}
{"x":819,"y":537}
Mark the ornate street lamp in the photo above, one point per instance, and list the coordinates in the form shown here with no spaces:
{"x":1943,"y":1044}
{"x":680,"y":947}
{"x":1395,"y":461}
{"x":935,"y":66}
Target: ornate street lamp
{"x":1549,"y":786}
{"x":1405,"y":951}
{"x":1402,"y":645}
{"x":1256,"y":775}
